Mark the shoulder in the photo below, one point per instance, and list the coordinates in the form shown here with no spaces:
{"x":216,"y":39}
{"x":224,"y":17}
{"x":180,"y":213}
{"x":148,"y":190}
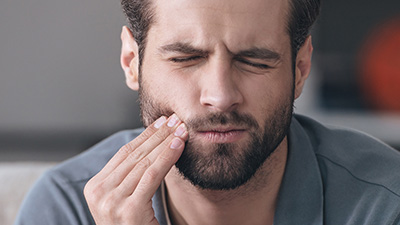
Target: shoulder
{"x":362,"y":155}
{"x":360,"y":174}
{"x":59,"y":191}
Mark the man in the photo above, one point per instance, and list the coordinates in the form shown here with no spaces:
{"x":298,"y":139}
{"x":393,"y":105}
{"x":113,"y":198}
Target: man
{"x":217,"y":81}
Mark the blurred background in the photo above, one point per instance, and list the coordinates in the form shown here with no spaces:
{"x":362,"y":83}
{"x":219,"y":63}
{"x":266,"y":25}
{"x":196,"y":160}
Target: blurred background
{"x":62,"y":88}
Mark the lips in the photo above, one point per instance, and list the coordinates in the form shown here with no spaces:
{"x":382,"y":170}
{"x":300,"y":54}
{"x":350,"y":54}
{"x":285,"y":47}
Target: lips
{"x":222,"y":135}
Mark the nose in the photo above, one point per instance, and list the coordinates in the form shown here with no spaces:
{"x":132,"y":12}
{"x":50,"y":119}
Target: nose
{"x":220,"y":91}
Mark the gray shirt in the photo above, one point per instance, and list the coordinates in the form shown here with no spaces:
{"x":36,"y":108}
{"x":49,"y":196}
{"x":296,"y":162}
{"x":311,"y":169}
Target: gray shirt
{"x":333,"y":176}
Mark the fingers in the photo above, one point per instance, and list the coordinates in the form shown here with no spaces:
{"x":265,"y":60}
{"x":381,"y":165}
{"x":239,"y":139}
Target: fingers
{"x":158,"y":128}
{"x":135,"y":172}
{"x":156,"y":164}
{"x":155,"y":143}
{"x":130,"y":147}
{"x":156,"y":172}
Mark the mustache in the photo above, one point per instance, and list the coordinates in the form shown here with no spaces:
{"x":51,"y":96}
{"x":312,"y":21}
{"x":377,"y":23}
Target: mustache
{"x":208,"y":121}
{"x":232,"y":118}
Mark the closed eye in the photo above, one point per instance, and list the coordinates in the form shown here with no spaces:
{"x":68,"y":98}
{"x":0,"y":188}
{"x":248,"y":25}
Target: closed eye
{"x":186,"y":59}
{"x":256,"y":65}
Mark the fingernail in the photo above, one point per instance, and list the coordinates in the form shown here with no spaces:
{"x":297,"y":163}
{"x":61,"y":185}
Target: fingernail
{"x":160,"y":122}
{"x":180,"y":130}
{"x":173,"y":120}
{"x":176,"y":143}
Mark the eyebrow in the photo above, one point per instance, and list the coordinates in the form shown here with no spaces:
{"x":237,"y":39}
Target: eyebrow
{"x":259,"y":53}
{"x":255,"y":53}
{"x":181,"y":47}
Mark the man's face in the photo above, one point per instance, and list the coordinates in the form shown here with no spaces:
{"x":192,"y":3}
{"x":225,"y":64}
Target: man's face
{"x":224,"y":67}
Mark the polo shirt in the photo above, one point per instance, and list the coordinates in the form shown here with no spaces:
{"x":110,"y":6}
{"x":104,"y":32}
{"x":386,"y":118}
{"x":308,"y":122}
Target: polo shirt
{"x":332,"y":176}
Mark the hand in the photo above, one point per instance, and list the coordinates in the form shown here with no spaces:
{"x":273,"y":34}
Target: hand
{"x":121,"y":192}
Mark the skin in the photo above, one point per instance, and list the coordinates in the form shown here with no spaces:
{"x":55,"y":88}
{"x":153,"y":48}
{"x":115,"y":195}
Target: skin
{"x":218,"y":78}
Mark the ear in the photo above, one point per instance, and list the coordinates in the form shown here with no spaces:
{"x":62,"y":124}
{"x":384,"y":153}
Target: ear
{"x":130,"y":58}
{"x":303,"y":66}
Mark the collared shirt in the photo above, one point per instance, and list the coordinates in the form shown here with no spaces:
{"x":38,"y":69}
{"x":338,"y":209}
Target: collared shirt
{"x":336,"y":176}
{"x":332,"y":176}
{"x":164,"y":203}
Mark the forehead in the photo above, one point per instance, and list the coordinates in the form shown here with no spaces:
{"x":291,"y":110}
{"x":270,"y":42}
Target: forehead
{"x":233,"y":23}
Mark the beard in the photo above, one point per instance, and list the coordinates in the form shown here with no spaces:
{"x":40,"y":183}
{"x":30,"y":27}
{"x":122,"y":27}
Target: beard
{"x":224,"y":166}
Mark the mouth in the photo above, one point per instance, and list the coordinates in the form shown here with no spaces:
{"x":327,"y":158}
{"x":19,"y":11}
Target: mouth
{"x":222,"y":135}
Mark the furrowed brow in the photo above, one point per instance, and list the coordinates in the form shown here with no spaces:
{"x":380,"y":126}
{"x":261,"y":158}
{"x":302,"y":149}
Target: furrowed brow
{"x":180,"y":47}
{"x":260,"y":53}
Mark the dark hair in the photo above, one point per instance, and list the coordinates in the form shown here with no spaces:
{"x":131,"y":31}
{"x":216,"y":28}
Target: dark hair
{"x":302,"y":15}
{"x":140,"y":15}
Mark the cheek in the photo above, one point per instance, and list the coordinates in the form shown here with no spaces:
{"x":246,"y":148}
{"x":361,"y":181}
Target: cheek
{"x":171,"y":91}
{"x":266,"y":95}
{"x":183,"y":98}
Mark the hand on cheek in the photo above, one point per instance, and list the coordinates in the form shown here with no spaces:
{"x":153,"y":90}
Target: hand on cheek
{"x":121,"y":192}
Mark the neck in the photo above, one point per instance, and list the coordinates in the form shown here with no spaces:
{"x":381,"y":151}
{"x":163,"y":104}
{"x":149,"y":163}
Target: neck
{"x":251,"y":203}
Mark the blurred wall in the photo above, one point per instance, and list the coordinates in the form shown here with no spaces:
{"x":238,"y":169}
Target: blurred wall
{"x":336,"y":91}
{"x":59,"y":66}
{"x":60,"y":73}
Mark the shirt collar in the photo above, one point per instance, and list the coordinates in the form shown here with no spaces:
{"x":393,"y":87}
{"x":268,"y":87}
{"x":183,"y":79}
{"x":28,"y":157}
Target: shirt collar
{"x":300,"y":199}
{"x":164,"y":202}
